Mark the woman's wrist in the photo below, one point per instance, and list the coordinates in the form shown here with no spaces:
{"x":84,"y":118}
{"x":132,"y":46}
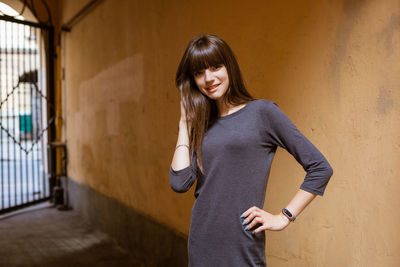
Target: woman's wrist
{"x":286,"y":219}
{"x":183,"y":145}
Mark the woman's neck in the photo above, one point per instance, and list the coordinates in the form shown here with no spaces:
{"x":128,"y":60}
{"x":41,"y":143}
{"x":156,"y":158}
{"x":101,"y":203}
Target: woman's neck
{"x":225,"y":108}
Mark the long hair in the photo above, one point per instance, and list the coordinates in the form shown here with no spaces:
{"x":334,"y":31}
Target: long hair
{"x":201,"y":112}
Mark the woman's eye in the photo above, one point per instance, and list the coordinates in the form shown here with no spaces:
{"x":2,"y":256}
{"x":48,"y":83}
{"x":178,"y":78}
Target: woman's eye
{"x":212,"y":68}
{"x":197,"y":73}
{"x":216,"y":67}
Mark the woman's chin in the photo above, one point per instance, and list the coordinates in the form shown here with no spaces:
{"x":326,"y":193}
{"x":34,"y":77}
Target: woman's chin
{"x":214,"y":96}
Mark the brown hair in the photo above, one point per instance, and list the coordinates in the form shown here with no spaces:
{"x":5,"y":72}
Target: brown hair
{"x":201,"y":111}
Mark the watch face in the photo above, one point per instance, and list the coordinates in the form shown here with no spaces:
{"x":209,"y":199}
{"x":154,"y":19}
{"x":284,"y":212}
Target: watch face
{"x":287,"y":213}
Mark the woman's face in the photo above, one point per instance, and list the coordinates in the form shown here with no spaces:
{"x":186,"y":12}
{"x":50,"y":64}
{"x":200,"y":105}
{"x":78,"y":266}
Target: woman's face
{"x":213,"y":82}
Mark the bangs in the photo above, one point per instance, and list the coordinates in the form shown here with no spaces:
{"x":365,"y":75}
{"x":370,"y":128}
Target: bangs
{"x":204,"y":57}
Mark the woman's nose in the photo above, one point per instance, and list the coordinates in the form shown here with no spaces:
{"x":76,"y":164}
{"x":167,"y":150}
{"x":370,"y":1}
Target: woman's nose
{"x":208,"y":76}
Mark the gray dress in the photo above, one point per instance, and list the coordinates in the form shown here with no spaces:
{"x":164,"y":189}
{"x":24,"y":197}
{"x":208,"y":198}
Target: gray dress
{"x":238,"y":150}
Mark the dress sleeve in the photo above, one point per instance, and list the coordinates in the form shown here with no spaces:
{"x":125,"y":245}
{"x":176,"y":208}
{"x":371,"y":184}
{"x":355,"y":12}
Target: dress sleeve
{"x":282,"y":132}
{"x":181,"y":180}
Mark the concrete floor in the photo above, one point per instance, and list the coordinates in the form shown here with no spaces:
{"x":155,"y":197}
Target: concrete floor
{"x":44,"y":236}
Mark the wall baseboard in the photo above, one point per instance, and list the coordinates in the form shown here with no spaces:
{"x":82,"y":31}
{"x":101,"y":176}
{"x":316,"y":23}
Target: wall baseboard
{"x":141,"y":235}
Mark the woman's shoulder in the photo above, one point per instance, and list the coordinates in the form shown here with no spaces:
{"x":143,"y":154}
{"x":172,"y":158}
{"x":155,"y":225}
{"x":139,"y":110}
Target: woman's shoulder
{"x":267,"y":109}
{"x":264,"y":103}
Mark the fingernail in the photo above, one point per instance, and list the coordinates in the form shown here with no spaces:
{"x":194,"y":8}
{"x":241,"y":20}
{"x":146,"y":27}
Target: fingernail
{"x":241,"y":216}
{"x":246,"y":227}
{"x":244,"y":222}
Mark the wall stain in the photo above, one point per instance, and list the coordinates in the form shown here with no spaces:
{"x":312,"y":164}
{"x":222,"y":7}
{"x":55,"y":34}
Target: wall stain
{"x":388,"y":31}
{"x":351,"y":12}
{"x":284,"y":259}
{"x":384,"y":101}
{"x":87,"y":158}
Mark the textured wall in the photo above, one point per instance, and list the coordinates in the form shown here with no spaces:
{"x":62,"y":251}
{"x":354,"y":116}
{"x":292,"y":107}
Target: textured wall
{"x":332,"y":66}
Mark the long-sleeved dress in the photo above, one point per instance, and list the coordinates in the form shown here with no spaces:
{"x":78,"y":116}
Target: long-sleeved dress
{"x":238,"y":150}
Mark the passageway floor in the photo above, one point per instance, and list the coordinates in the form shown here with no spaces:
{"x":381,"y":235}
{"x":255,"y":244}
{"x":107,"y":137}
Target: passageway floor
{"x":44,"y":236}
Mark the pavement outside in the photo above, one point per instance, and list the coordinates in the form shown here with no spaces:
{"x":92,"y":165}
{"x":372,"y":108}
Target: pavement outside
{"x":44,"y":236}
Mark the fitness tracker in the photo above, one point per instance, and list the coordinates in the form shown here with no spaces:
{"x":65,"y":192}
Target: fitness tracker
{"x":288,"y":214}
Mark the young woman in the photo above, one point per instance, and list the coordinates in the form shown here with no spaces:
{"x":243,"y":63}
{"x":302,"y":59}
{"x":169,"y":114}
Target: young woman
{"x":227,"y":140}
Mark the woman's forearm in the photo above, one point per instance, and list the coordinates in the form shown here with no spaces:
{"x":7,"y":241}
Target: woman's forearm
{"x":299,"y":202}
{"x":181,"y":157}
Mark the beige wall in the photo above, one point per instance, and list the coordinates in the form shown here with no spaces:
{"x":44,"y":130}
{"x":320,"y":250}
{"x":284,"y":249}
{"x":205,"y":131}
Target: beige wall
{"x":332,"y":66}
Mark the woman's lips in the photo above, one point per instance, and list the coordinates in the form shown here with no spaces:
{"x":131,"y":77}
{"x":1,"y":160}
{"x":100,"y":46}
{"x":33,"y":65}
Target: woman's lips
{"x":213,"y":88}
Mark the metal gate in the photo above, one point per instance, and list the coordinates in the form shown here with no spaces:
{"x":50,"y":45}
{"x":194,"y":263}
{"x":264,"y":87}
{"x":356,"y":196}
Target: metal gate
{"x":24,"y":121}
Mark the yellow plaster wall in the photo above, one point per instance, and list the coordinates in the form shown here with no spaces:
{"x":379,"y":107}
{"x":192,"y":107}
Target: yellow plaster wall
{"x":332,"y":66}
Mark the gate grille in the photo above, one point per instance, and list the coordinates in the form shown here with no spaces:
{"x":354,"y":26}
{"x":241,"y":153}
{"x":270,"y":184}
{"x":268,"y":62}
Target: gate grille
{"x":23,"y":114}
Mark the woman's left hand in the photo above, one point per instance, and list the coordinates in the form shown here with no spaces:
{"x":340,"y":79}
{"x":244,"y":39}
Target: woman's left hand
{"x":255,"y":215}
